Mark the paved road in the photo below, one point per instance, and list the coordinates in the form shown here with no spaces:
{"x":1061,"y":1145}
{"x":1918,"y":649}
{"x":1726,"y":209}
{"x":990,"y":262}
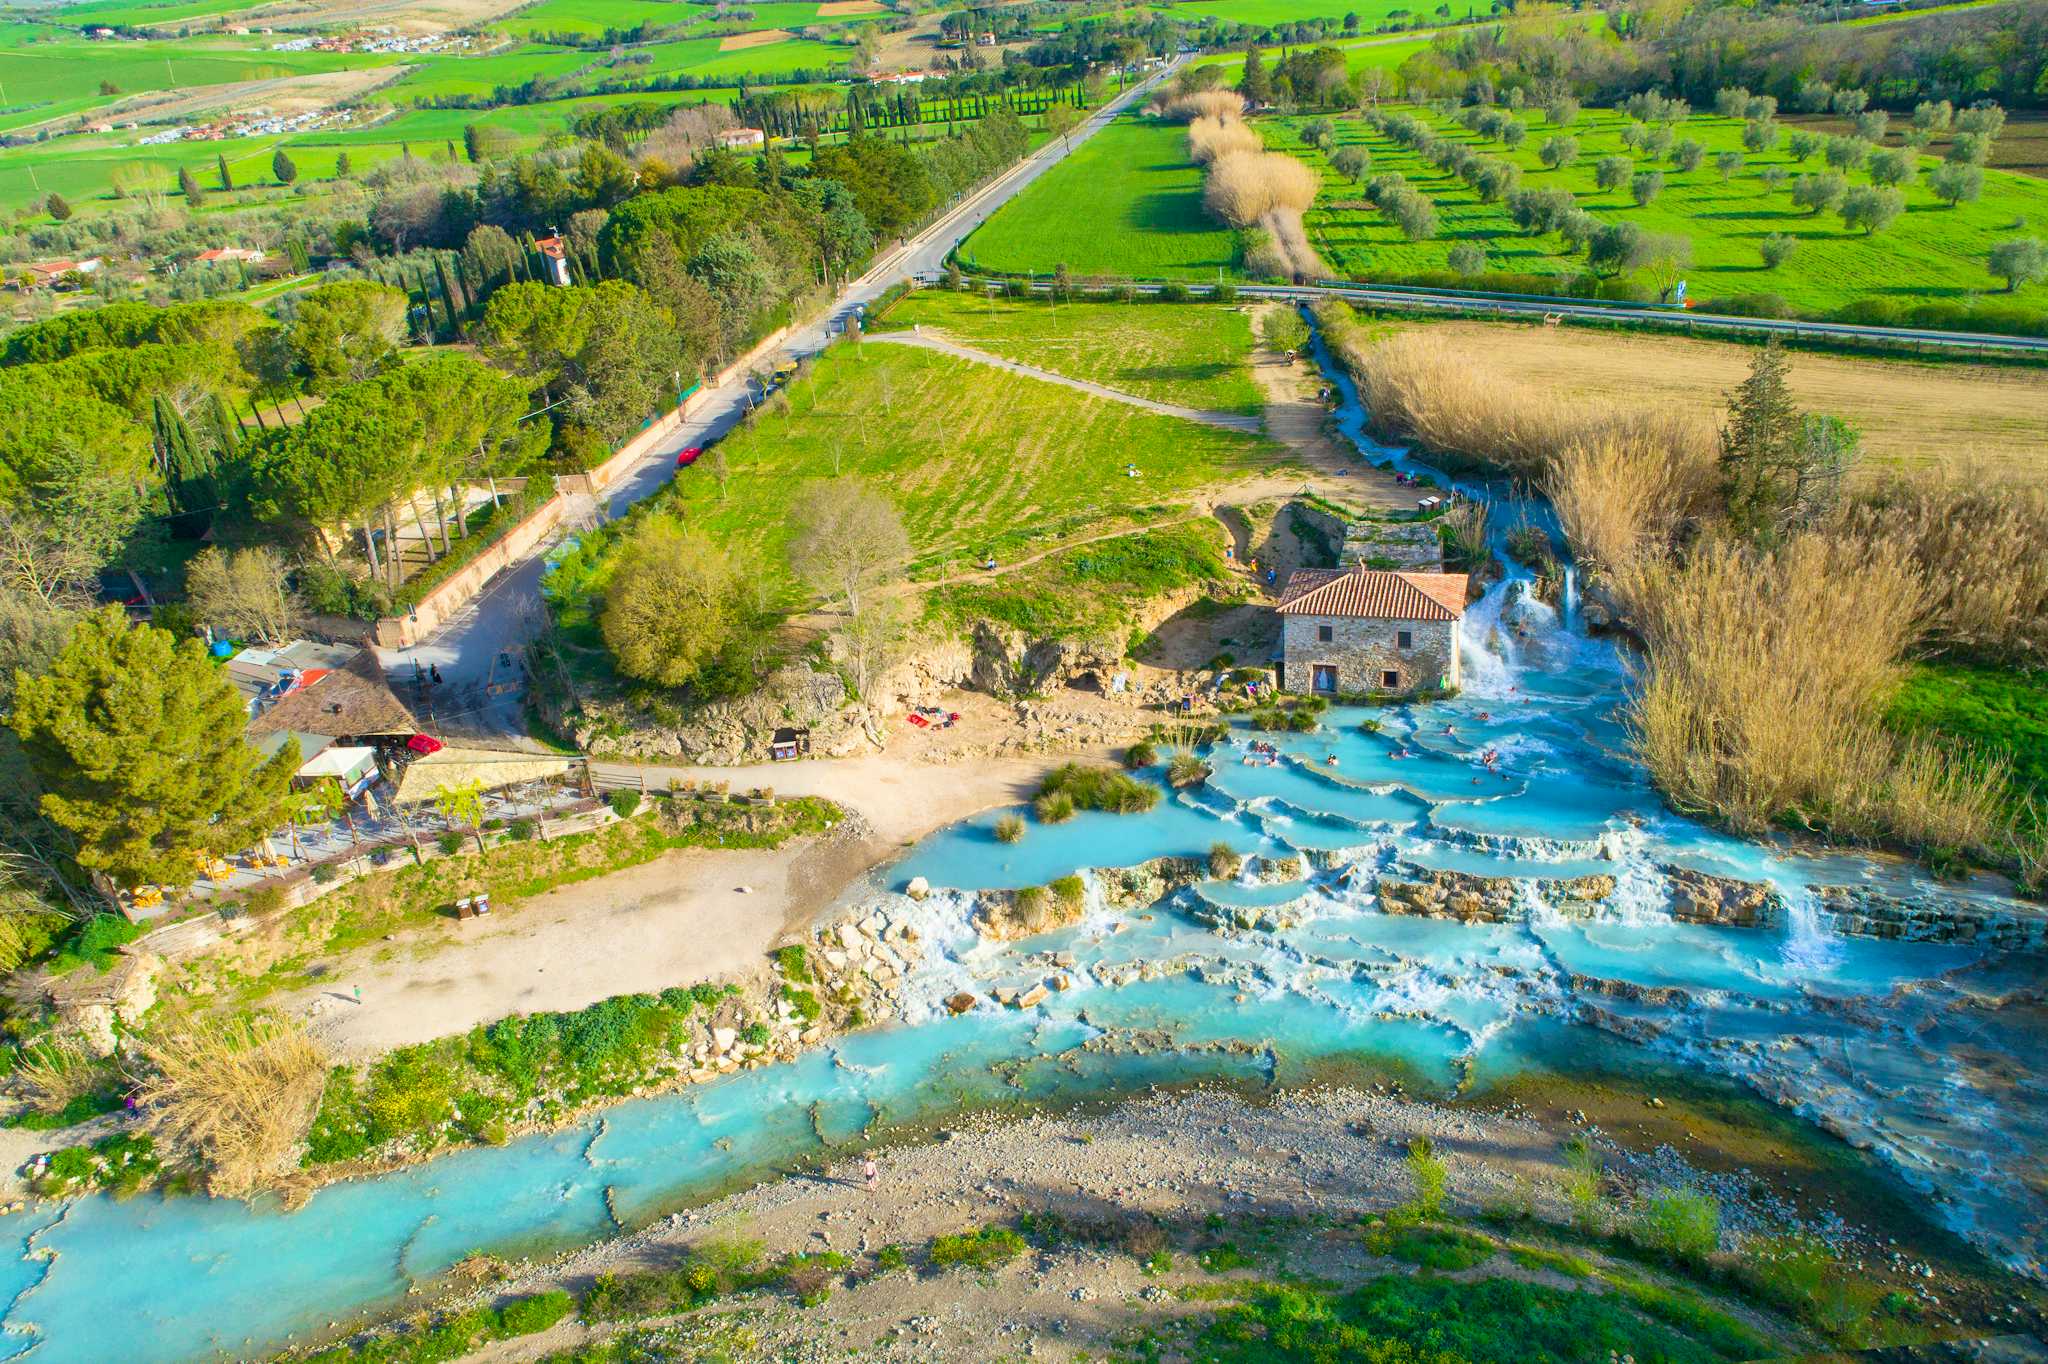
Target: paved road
{"x":477,"y":652}
{"x":1672,"y":318}
{"x":1231,"y":421}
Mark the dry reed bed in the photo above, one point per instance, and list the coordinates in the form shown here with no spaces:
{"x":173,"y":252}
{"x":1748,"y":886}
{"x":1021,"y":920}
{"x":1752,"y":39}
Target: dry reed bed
{"x":1761,"y":693}
{"x":239,"y":1093}
{"x":1261,"y":193}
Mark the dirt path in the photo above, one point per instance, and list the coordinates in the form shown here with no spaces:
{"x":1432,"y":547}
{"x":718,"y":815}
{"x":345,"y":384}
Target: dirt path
{"x":1299,"y":419}
{"x":1229,"y":421}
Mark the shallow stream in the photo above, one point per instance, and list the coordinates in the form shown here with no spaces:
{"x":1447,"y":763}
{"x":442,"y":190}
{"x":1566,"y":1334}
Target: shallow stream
{"x":1898,"y":1045}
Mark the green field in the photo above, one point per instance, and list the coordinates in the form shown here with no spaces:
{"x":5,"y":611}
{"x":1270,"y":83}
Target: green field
{"x":437,"y":75}
{"x":1193,"y":354}
{"x":975,"y":458}
{"x":1385,"y":53}
{"x":1271,"y":13}
{"x":68,"y":69}
{"x":1931,"y":251}
{"x":1127,"y":202}
{"x":144,"y":14}
{"x":596,"y":16}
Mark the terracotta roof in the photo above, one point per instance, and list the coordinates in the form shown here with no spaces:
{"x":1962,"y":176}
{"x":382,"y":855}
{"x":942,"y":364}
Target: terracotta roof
{"x":1375,"y":594}
{"x":551,"y":246}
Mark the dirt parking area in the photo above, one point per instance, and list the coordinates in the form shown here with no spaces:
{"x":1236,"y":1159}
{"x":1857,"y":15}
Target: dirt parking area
{"x":1994,"y":417}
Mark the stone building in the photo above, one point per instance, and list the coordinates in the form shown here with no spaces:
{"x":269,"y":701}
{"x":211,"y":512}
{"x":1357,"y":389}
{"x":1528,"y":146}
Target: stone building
{"x":1346,"y":632}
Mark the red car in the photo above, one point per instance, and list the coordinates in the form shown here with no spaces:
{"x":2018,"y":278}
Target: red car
{"x":688,"y":456}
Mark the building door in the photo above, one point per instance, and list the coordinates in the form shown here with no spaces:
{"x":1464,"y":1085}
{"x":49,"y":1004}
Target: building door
{"x":1323,"y":677}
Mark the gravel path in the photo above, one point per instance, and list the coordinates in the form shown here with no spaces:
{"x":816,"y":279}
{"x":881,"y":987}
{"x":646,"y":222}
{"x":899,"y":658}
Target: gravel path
{"x":1229,"y":421}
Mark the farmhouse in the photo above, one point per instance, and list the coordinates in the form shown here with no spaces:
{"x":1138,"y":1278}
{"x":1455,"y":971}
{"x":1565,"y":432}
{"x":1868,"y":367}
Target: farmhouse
{"x":555,"y":256}
{"x":1350,"y":631}
{"x":733,"y":139}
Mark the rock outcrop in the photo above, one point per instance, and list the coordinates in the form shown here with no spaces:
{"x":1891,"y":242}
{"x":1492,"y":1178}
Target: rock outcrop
{"x":1699,"y":897}
{"x":1867,"y":912}
{"x":1463,"y":896}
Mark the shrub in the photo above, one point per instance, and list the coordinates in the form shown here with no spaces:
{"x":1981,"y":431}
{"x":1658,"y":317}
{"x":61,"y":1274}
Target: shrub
{"x":1186,"y":770}
{"x":522,"y":829}
{"x":1225,"y":862}
{"x":623,"y":803}
{"x":1053,"y":807}
{"x":802,"y":1003}
{"x":1682,"y":1223}
{"x":794,"y":963}
{"x":1431,"y":1176}
{"x":324,"y":874}
{"x":1141,"y":754}
{"x":1173,"y":291}
{"x":1069,"y":893}
{"x":1009,"y":828}
{"x":1100,"y":788}
{"x":986,"y":1248}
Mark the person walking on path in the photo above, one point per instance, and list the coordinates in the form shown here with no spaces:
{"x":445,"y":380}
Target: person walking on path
{"x":359,"y":994}
{"x":870,"y":1173}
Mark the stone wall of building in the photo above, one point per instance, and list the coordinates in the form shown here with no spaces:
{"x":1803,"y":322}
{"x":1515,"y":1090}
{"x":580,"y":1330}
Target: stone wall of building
{"x":1361,"y":649}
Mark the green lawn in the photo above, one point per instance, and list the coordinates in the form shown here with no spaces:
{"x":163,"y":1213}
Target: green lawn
{"x":1992,"y":710}
{"x":1931,"y":252}
{"x":452,"y":73}
{"x":1194,"y":354}
{"x":70,"y":69}
{"x":1383,"y":52}
{"x":974,"y":457}
{"x":1127,"y":202}
{"x":1271,"y":13}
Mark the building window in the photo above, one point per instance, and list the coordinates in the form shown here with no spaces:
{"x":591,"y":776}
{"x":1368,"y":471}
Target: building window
{"x":1404,"y":639}
{"x":1390,"y":679}
{"x":1323,"y":677}
{"x":1325,"y":633}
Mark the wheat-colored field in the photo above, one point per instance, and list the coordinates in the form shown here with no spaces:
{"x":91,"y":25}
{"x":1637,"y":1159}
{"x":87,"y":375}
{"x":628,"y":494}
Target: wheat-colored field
{"x":1992,"y":416}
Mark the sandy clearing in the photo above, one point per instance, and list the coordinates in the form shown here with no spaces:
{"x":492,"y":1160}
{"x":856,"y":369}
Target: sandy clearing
{"x":678,"y":920}
{"x":759,"y":38}
{"x":1911,"y":413}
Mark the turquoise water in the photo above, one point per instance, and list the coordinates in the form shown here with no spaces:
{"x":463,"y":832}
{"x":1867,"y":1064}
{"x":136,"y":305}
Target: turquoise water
{"x":1914,"y":1067}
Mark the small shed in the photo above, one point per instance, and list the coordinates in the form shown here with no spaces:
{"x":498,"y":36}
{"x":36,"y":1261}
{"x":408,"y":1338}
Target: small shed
{"x":354,"y":768}
{"x":789,"y":744}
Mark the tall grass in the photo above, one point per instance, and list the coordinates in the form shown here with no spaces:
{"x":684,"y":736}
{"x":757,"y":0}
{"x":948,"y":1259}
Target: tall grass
{"x":1983,"y":551}
{"x":1761,"y":702}
{"x":1422,"y":388}
{"x":1210,"y":137}
{"x":1247,"y":186}
{"x":238,"y":1093}
{"x":1625,"y":496}
{"x":1187,"y":106}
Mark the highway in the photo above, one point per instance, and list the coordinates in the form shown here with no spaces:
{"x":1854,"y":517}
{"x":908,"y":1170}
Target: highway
{"x":479,"y":652}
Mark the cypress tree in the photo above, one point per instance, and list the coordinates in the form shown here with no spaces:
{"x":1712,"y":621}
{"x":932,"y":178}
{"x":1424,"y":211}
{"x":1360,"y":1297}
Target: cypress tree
{"x":227,"y":182}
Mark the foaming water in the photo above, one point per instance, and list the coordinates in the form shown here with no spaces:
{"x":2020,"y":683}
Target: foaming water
{"x":1898,"y":1045}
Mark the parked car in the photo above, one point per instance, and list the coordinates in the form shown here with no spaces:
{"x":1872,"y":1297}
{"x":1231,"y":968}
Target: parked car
{"x":688,"y":456}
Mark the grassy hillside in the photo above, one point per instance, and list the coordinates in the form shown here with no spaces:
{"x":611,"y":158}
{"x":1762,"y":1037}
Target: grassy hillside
{"x":1193,"y":354}
{"x":977,"y":460}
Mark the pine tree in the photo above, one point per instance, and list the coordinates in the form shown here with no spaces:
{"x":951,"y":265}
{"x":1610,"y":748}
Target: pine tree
{"x":189,"y":187}
{"x":187,"y":466}
{"x":136,"y":739}
{"x":1257,"y":84}
{"x":1760,"y":446}
{"x":58,"y":207}
{"x":227,"y":181}
{"x":226,"y":433}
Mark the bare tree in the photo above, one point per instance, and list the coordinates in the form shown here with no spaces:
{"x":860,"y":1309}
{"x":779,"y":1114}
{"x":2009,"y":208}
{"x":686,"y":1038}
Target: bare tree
{"x":243,"y":592}
{"x":870,"y":643}
{"x":849,"y":538}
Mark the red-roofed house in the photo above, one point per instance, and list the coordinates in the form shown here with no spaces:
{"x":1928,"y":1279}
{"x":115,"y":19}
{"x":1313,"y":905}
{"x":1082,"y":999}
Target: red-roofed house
{"x":228,"y":254}
{"x":1347,"y":632}
{"x":556,"y":256}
